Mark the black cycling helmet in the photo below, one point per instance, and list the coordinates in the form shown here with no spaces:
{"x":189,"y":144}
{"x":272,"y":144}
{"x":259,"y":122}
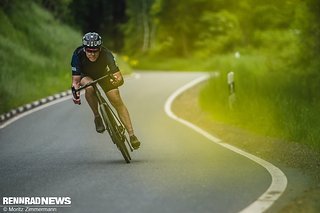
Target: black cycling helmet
{"x":92,"y":40}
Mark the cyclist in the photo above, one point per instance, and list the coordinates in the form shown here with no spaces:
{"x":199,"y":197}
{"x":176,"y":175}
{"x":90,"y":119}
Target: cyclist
{"x":90,"y":61}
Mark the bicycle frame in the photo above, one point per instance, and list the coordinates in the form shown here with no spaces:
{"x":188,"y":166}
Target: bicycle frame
{"x":109,"y":112}
{"x":113,"y":124}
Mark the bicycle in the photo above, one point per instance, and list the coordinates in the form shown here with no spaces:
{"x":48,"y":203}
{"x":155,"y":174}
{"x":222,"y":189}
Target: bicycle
{"x":112,"y":123}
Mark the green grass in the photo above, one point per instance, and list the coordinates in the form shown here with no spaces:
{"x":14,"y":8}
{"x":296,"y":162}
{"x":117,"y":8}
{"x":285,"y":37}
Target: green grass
{"x":268,"y":103}
{"x":175,"y":63}
{"x":35,"y":54}
{"x":214,"y":63}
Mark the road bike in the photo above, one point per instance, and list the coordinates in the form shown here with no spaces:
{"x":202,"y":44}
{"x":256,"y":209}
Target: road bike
{"x":112,"y":123}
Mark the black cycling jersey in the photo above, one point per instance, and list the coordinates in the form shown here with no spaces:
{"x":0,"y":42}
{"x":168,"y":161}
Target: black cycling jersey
{"x":81,"y":65}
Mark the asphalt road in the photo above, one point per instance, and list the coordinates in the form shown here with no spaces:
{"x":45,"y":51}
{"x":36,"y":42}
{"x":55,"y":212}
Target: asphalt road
{"x":56,"y":152}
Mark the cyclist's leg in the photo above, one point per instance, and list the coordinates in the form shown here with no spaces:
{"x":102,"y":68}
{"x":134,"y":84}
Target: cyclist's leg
{"x":93,"y":103}
{"x":90,"y":96}
{"x":116,"y":101}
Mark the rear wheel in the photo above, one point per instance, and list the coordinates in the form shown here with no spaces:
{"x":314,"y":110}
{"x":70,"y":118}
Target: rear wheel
{"x":116,"y":132}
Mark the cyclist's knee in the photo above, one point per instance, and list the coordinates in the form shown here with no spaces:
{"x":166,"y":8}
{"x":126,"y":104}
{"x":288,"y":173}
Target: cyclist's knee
{"x":90,"y":90}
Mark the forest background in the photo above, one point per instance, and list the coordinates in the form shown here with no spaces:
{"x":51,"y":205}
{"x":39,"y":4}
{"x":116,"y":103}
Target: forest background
{"x":271,"y":46}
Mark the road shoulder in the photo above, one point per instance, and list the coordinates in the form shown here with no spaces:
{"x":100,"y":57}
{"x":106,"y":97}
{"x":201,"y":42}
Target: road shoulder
{"x":300,"y":163}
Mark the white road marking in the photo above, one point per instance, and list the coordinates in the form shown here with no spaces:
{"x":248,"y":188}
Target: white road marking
{"x":265,"y":201}
{"x":279,"y":180}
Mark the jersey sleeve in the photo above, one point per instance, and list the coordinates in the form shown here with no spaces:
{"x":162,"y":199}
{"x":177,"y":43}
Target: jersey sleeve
{"x":112,"y":65}
{"x":75,"y":65}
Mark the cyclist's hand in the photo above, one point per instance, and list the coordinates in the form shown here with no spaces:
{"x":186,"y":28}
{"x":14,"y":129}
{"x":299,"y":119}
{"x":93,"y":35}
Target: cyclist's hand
{"x":117,"y":79}
{"x":75,"y":96}
{"x":114,"y":80}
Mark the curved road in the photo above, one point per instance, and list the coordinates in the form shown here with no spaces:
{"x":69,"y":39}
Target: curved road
{"x":56,"y":152}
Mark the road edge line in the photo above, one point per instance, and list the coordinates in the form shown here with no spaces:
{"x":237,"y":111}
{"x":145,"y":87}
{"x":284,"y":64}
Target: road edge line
{"x":279,"y":180}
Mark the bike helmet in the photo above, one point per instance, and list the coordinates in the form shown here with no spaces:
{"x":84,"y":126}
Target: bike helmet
{"x":92,"y":40}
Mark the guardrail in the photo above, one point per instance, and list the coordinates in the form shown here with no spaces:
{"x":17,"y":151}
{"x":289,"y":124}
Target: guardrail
{"x":15,"y":112}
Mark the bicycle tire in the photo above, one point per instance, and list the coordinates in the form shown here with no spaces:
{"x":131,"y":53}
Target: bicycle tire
{"x":117,"y":137}
{"x":120,"y":137}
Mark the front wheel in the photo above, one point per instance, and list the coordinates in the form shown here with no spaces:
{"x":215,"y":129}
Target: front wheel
{"x":117,"y":135}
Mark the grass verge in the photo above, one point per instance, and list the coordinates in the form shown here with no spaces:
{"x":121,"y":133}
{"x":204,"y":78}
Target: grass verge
{"x":272,"y":103}
{"x":299,"y":160}
{"x":34,"y":54}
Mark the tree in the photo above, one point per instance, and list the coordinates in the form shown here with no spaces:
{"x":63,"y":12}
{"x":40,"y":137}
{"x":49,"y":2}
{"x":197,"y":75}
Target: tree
{"x":139,"y":27}
{"x":102,"y":16}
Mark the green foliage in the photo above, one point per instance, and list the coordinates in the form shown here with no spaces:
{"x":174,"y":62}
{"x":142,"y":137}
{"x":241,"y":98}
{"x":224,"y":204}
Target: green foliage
{"x":278,"y":42}
{"x":102,"y":16}
{"x":34,"y":53}
{"x":201,"y":28}
{"x":224,"y":27}
{"x":138,"y":28}
{"x":58,"y":8}
{"x":277,"y":80}
{"x":273,"y":104}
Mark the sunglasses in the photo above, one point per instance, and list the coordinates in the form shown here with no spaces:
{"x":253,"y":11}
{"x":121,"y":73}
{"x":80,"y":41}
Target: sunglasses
{"x":92,"y":50}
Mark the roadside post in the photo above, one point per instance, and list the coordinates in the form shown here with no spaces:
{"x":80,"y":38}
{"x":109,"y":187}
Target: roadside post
{"x":231,"y":86}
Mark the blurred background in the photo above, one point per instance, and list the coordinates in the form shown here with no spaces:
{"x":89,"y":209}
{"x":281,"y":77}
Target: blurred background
{"x":272,"y":47}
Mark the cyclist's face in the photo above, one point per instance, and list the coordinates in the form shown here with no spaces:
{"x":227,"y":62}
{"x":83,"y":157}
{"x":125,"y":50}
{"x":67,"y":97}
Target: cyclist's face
{"x":92,"y":54}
